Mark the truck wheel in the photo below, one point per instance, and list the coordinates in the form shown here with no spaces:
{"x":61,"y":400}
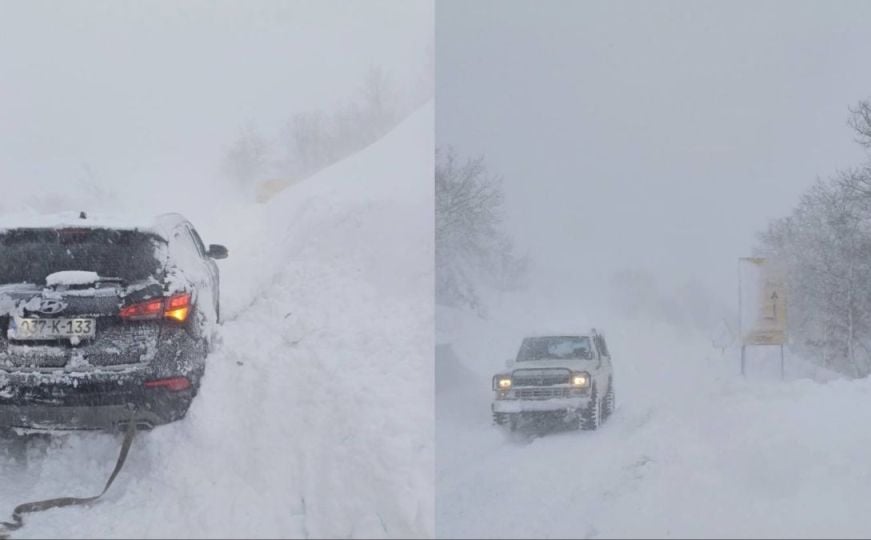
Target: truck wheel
{"x":609,"y":402}
{"x":513,"y":422}
{"x":591,"y":417}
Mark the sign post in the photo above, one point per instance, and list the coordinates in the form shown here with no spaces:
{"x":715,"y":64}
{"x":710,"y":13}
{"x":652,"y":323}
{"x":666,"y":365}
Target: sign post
{"x":762,"y":303}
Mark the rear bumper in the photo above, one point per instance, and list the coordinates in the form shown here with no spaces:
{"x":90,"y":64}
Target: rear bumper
{"x":96,"y":403}
{"x":106,"y":418}
{"x":104,"y":397}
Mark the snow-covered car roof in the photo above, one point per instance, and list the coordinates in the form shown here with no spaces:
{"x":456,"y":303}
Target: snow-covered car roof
{"x":160,"y":225}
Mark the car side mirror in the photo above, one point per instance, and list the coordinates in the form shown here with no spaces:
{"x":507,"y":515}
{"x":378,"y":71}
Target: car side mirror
{"x":217,"y":251}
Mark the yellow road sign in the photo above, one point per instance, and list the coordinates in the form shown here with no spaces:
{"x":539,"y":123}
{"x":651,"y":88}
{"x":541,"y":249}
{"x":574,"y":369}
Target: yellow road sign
{"x":763,"y":303}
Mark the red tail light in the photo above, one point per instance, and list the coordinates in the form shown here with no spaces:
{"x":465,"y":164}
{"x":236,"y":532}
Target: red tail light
{"x":177,"y":307}
{"x":150,"y":309}
{"x":173,"y":384}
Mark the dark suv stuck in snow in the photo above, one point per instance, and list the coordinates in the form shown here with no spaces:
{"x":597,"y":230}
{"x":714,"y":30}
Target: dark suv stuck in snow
{"x":103,"y":321}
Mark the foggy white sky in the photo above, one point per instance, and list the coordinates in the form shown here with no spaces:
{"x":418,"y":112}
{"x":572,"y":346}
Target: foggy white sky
{"x":145,"y":90}
{"x":659,"y":134}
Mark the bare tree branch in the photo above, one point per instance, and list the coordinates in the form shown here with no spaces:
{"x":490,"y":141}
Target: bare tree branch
{"x":471,"y":245}
{"x":860,"y":121}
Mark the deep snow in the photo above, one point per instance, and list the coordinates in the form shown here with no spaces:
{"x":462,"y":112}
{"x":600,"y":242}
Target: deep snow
{"x":693,"y":449}
{"x":315,"y":418}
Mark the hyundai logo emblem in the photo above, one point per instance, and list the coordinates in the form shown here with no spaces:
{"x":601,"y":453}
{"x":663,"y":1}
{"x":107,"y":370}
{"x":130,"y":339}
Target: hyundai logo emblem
{"x":50,"y":307}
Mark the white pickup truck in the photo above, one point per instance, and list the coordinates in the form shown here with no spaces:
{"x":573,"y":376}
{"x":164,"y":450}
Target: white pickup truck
{"x":566,"y":376}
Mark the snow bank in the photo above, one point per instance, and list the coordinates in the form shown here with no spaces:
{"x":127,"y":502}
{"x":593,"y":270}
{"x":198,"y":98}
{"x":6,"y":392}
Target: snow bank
{"x":315,"y":416}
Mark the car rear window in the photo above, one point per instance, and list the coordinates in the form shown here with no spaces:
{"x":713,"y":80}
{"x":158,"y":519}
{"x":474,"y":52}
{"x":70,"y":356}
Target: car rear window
{"x":29,"y":255}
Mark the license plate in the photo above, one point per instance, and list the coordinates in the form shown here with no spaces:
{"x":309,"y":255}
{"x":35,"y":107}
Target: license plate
{"x":52,"y":328}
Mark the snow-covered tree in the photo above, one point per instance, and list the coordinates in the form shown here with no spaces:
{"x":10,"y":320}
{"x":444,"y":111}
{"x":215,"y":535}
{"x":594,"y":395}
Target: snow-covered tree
{"x":472,"y":248}
{"x":860,"y":121}
{"x":378,"y":104}
{"x":307,"y":143}
{"x":825,"y":247}
{"x":248,"y":159}
{"x":313,"y":140}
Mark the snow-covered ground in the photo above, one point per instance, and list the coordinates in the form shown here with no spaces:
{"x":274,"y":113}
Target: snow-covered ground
{"x":315,"y":417}
{"x":693,"y":449}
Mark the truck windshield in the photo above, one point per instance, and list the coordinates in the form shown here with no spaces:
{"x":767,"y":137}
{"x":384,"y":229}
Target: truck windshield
{"x":555,"y":348}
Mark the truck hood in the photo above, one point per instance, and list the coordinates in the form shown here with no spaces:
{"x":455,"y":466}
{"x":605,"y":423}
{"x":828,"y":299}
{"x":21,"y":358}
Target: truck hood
{"x":573,"y":365}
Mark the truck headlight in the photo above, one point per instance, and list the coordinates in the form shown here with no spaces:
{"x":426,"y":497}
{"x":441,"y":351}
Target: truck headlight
{"x":504,"y":383}
{"x":581,"y":380}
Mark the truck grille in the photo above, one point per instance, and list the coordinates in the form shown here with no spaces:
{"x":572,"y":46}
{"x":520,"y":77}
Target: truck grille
{"x":541,"y":377}
{"x":542,"y":393}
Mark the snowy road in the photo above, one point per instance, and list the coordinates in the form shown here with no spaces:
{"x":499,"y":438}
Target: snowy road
{"x":693,"y":451}
{"x":315,"y":416}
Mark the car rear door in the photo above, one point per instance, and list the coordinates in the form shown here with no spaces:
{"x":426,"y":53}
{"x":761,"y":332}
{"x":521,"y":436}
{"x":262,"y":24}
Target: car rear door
{"x":54,"y":314}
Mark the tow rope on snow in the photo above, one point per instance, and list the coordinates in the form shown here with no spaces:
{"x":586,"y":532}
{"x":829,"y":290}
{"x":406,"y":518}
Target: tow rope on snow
{"x":6,"y":527}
